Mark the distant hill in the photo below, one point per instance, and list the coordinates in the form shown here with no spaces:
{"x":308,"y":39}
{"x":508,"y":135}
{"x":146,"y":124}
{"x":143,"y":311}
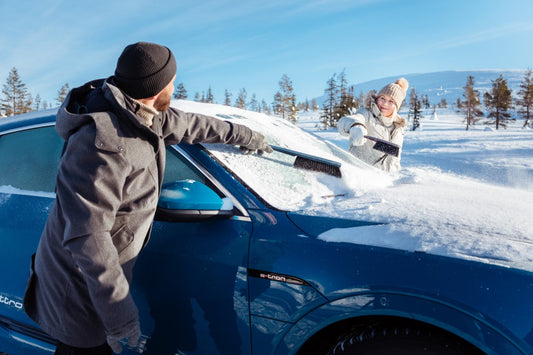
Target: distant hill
{"x":445,"y":84}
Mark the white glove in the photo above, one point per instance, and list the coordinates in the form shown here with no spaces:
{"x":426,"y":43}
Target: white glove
{"x":132,"y":334}
{"x":357,"y":135}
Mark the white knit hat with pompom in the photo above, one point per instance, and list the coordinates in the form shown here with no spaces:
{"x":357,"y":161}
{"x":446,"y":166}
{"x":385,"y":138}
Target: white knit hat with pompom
{"x":396,"y":90}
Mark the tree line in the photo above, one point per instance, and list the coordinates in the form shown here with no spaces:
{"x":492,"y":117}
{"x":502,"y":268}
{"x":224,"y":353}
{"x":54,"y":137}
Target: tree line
{"x":16,"y":99}
{"x":340,"y":100}
{"x":498,"y":103}
{"x":284,"y":101}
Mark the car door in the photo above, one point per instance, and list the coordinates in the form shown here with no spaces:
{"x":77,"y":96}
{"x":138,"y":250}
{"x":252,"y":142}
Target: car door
{"x":189,"y":282}
{"x":28,"y":165}
{"x":190,"y":279}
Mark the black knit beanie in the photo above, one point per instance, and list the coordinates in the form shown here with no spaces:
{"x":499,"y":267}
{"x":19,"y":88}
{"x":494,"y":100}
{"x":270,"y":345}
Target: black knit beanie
{"x":144,"y":69}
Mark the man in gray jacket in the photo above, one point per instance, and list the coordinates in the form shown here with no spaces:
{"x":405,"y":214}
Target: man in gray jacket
{"x":108,"y":185}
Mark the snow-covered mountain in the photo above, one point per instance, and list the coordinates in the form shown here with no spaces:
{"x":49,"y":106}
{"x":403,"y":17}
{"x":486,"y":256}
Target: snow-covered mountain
{"x":445,"y":84}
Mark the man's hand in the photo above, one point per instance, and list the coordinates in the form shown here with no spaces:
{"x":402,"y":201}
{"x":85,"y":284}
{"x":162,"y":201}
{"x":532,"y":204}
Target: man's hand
{"x":132,"y":334}
{"x":257,"y":143}
{"x":357,"y":135}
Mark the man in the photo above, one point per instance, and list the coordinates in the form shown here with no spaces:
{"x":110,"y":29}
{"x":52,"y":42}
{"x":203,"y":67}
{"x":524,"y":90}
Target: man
{"x":108,"y":184}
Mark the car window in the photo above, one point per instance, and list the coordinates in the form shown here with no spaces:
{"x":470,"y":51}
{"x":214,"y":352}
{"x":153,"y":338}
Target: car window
{"x":30,"y":158}
{"x":179,"y":168}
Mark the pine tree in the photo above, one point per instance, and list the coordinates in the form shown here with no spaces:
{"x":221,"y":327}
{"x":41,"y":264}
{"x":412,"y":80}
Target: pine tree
{"x":227,"y":98}
{"x":37,"y":102}
{"x":470,"y":105}
{"x":240,"y":102}
{"x":277,"y":104}
{"x":499,"y":101}
{"x":180,"y":93}
{"x":287,"y":99}
{"x":16,"y":98}
{"x":62,"y":93}
{"x":265,"y":108}
{"x":525,"y":98}
{"x":254,"y":104}
{"x":210,"y":98}
{"x":314,"y":105}
{"x":415,"y":106}
{"x":328,"y":118}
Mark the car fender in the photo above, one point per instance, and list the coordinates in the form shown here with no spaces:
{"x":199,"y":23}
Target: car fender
{"x":474,"y":328}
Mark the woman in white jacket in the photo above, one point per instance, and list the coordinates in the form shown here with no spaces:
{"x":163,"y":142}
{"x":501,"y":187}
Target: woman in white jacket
{"x":379,"y":118}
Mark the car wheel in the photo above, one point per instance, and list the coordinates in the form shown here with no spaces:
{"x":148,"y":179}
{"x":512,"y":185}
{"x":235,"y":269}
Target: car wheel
{"x":401,"y":339}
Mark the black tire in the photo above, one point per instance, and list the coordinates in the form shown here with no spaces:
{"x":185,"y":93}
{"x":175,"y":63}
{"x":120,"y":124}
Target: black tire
{"x":401,"y":338}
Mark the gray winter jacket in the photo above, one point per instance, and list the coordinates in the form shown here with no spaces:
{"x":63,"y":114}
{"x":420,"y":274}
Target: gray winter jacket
{"x":377,"y":126}
{"x":108,"y":185}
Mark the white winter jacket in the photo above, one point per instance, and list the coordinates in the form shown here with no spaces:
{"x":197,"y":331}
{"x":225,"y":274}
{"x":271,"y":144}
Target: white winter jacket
{"x":377,"y":126}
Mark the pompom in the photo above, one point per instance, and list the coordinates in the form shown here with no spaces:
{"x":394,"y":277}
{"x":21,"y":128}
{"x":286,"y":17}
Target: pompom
{"x":403,"y":83}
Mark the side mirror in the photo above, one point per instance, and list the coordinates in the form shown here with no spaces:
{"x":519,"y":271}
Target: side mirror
{"x":190,"y":201}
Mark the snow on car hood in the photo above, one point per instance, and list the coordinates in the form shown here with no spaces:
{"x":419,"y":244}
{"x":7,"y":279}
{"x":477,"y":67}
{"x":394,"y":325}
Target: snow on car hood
{"x":441,"y":214}
{"x":420,"y":209}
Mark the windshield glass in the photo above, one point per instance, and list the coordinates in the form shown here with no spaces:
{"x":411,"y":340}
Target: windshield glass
{"x":290,"y":187}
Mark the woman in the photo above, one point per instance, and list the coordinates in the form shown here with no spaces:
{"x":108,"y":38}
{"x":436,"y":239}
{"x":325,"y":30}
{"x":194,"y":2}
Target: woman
{"x":379,"y":118}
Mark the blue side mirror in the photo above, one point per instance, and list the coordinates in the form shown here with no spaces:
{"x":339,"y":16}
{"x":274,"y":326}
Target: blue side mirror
{"x":190,"y":200}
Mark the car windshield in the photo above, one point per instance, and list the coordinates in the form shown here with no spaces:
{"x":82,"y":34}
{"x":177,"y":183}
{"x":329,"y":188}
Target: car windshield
{"x":274,"y":176}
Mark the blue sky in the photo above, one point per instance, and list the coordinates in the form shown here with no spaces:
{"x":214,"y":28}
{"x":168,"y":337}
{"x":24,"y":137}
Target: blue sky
{"x":251,"y":44}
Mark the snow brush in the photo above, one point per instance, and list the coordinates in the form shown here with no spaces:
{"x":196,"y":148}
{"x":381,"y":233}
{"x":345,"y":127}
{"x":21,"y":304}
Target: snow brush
{"x":310,"y":162}
{"x":385,"y":146}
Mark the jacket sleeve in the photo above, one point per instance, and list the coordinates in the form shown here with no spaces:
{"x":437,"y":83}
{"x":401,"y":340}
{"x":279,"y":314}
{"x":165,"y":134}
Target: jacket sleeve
{"x":179,"y":126}
{"x":345,"y":123}
{"x":89,"y":188}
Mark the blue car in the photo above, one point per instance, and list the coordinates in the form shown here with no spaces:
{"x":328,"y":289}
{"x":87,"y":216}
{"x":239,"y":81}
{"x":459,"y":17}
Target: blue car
{"x":264,"y":255}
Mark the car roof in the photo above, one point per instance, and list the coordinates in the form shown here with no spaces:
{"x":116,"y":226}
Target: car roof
{"x":28,"y":119}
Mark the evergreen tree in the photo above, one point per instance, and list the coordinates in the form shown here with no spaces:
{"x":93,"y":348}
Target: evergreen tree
{"x":425,"y":101}
{"x":37,"y":102}
{"x":470,"y":105}
{"x":240,"y":102}
{"x":277,"y":104}
{"x":415,"y":106}
{"x":62,"y":93}
{"x":197,"y":97}
{"x":287,"y":99}
{"x":16,"y":98}
{"x":347,"y":100}
{"x":254,"y":104}
{"x":328,"y":116}
{"x":180,"y":93}
{"x":265,"y":108}
{"x":498,"y":101}
{"x":314,"y":105}
{"x":525,"y":98}
{"x":227,"y":98}
{"x":210,"y":98}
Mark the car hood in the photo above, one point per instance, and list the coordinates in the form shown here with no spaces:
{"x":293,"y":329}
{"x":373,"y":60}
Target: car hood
{"x":434,"y":213}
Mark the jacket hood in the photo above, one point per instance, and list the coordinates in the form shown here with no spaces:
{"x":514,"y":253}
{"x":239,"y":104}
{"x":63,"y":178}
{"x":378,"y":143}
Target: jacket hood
{"x":84,"y":104}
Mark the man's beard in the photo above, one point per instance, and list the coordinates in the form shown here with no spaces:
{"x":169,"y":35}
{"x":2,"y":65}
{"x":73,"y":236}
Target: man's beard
{"x":162,"y":103}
